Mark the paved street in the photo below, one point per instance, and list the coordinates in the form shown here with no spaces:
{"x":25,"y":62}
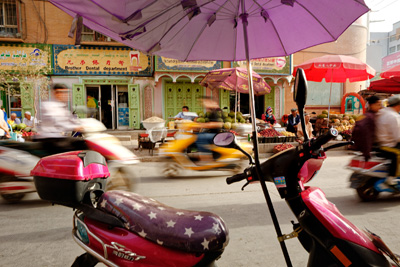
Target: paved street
{"x":36,"y":234}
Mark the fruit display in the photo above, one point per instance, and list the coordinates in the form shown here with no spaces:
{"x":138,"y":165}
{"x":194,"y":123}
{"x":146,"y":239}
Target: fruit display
{"x":344,"y":123}
{"x":270,"y":132}
{"x":223,"y":116}
{"x":281,"y":147}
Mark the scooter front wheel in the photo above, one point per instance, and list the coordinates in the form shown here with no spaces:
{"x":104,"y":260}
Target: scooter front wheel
{"x":122,"y":177}
{"x":171,"y":169}
{"x":367,"y":192}
{"x":11,"y":198}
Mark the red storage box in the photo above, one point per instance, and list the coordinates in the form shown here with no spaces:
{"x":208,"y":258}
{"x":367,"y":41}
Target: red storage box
{"x":66,"y":178}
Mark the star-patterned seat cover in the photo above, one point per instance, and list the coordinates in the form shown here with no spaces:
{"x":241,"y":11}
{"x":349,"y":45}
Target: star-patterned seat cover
{"x":190,"y":231}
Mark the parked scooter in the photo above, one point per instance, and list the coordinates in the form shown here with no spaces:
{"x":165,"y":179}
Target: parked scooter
{"x":328,"y":237}
{"x":17,"y":159}
{"x":369,"y":176}
{"x":180,"y":154}
{"x":122,"y":228}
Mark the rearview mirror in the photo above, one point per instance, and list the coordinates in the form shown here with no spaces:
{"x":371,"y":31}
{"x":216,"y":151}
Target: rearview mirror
{"x":226,"y":139}
{"x":300,"y":88}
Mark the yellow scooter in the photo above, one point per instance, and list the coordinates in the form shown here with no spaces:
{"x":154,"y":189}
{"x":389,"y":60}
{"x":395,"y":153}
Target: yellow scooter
{"x":179,"y":154}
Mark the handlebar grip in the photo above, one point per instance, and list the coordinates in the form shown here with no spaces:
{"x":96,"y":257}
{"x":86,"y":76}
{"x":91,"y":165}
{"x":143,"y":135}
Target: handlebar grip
{"x":323,"y":139}
{"x":236,"y":178}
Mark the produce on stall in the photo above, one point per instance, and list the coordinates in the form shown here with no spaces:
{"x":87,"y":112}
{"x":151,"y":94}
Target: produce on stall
{"x":281,"y":147}
{"x":344,"y":123}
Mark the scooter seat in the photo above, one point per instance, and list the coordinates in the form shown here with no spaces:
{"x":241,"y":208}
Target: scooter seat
{"x":186,"y":230}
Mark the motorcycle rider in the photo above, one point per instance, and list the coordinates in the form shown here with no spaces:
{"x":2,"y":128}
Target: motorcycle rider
{"x":388,"y":136}
{"x":208,"y":130}
{"x":363,"y":134}
{"x":56,"y":122}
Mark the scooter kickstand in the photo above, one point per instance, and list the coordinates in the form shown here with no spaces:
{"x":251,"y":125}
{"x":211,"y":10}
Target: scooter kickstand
{"x":293,"y":234}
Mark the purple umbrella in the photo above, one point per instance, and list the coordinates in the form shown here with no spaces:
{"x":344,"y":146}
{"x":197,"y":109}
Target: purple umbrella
{"x":230,"y":30}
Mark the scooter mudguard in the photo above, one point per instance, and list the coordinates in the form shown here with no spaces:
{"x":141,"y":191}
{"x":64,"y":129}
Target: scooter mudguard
{"x":120,"y":247}
{"x":341,"y":239}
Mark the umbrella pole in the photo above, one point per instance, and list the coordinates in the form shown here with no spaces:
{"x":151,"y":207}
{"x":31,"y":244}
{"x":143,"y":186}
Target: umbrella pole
{"x":330,"y":94}
{"x":236,"y":93}
{"x":261,"y":178}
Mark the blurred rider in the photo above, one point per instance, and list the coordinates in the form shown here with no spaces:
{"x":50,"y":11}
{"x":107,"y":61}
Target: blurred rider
{"x":57,"y":122}
{"x":388,"y":136}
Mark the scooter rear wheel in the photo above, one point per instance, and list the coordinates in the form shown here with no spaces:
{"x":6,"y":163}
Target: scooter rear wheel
{"x":367,"y":192}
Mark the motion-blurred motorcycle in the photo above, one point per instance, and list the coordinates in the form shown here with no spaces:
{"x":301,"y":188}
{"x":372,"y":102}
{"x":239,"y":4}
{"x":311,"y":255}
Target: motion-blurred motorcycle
{"x":180,"y":154}
{"x":368,"y":177}
{"x":17,"y":159}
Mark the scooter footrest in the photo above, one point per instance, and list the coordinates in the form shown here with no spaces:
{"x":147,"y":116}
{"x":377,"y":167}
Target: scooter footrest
{"x":186,"y":230}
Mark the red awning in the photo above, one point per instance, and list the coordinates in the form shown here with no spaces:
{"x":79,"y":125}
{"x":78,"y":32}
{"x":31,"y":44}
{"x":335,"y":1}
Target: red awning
{"x":390,"y":86}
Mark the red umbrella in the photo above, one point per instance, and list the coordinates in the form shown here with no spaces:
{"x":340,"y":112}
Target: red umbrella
{"x":337,"y":69}
{"x":389,"y":86}
{"x":395,"y":71}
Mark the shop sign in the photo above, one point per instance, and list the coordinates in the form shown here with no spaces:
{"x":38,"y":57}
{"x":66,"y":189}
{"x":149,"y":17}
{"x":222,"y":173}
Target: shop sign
{"x":107,"y":60}
{"x":272,"y":65}
{"x":174,"y":65}
{"x":15,"y":57}
{"x":390,"y":61}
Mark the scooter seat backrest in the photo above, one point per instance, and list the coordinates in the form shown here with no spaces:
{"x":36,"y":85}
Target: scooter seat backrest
{"x":186,"y":230}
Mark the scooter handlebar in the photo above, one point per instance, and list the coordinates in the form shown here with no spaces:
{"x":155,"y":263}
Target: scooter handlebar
{"x":323,"y":139}
{"x":239,"y":177}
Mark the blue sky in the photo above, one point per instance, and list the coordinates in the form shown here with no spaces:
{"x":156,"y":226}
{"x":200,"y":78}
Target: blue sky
{"x":386,"y":10}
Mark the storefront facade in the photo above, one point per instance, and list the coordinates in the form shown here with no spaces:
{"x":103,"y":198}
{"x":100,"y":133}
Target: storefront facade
{"x":177,"y":85}
{"x":22,"y":67}
{"x":108,"y":83}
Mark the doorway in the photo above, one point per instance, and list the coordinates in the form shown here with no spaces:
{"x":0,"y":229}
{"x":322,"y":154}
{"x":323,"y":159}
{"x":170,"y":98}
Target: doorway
{"x":100,"y":104}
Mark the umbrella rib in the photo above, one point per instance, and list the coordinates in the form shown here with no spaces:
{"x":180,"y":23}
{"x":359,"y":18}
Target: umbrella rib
{"x":203,"y":28}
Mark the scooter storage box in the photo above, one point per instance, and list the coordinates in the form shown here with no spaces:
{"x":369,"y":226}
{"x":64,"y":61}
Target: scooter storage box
{"x":65,"y":178}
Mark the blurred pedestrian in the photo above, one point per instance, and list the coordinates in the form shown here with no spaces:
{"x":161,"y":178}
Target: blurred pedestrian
{"x":293,"y":121}
{"x":269,"y":116}
{"x":58,"y":123}
{"x":309,"y":128}
{"x":29,"y":120}
{"x":4,"y":129}
{"x":14,"y":119}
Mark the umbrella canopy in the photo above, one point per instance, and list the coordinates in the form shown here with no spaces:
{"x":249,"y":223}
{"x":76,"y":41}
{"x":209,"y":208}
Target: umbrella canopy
{"x":213,"y":30}
{"x":230,"y":30}
{"x":337,"y":69}
{"x":235,"y":79}
{"x":389,"y":86}
{"x":395,"y":71}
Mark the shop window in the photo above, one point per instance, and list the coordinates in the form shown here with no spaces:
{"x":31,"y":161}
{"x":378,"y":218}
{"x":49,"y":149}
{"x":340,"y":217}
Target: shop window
{"x":9,"y":19}
{"x":89,"y":35}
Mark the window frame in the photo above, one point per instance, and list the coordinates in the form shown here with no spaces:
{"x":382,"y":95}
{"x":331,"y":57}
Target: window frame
{"x":6,"y":29}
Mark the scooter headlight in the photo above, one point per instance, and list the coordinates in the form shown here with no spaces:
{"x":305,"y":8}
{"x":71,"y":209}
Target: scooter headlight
{"x":81,"y":231}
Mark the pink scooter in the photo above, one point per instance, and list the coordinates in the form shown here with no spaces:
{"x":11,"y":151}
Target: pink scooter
{"x":329,"y":238}
{"x":121,"y":228}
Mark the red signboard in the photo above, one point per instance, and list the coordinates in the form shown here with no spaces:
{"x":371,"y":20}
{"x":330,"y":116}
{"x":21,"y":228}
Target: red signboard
{"x":390,"y":61}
